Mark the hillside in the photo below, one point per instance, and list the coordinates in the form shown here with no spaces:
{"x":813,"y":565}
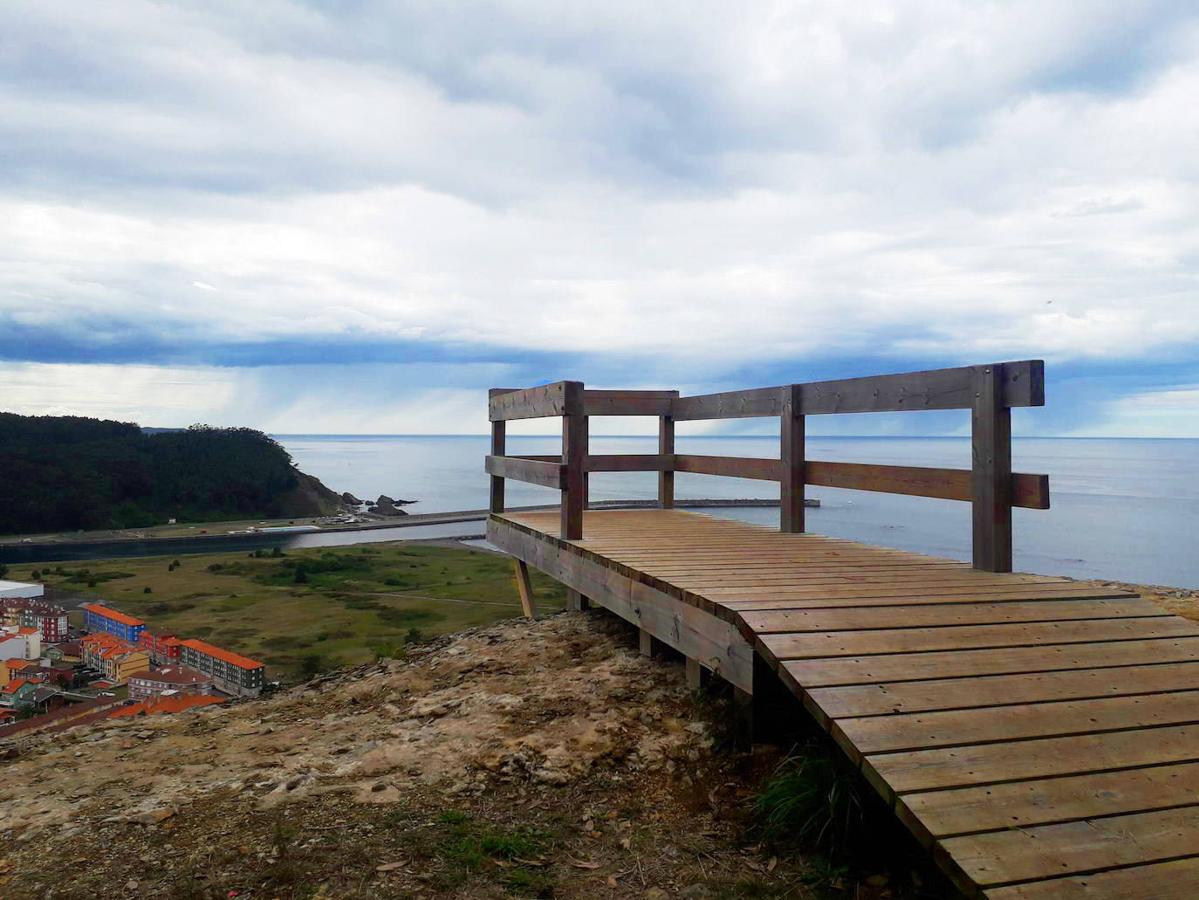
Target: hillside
{"x":66,"y":473}
{"x":544,"y":759}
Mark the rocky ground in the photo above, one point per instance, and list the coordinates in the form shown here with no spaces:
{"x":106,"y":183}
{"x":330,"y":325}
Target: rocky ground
{"x":544,"y":759}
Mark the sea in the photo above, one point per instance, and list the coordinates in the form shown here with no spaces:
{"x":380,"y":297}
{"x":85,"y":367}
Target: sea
{"x":1122,"y":509}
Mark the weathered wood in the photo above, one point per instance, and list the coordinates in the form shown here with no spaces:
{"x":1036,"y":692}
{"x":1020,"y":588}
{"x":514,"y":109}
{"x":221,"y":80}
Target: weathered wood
{"x":575,"y":601}
{"x":574,"y":456}
{"x":729,"y":466}
{"x":1020,"y":804}
{"x":551,"y":475}
{"x":498,"y":431}
{"x":524,"y":587}
{"x":628,"y":403}
{"x":529,"y":403}
{"x":1027,"y":491}
{"x":1173,"y":880}
{"x":1050,"y":851}
{"x":1023,"y":384}
{"x":791,"y":463}
{"x":999,"y":690}
{"x":666,"y":450}
{"x":991,"y":447}
{"x":938,"y":768}
{"x":694,"y":672}
{"x":729,"y":405}
{"x":982,"y":706}
{"x":630,"y":462}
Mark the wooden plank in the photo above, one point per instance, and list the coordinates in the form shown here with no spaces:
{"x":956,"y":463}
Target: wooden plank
{"x":530,"y":403}
{"x":882,"y":595}
{"x":666,"y":448}
{"x":574,"y":455}
{"x":1174,"y":880}
{"x":1027,"y":491}
{"x":917,"y":641}
{"x":1023,"y":384}
{"x":546,"y":474}
{"x":525,"y":588}
{"x":729,"y":405}
{"x":926,"y":770}
{"x":882,"y":734}
{"x":791,"y":463}
{"x":1046,"y":851}
{"x":841,"y":619}
{"x":965,"y":693}
{"x":813,"y":673}
{"x":729,"y":466}
{"x":629,"y":462}
{"x":991,"y":449}
{"x":627,"y":403}
{"x":1020,"y":804}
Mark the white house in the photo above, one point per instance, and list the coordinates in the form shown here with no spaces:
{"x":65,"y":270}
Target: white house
{"x":19,"y":590}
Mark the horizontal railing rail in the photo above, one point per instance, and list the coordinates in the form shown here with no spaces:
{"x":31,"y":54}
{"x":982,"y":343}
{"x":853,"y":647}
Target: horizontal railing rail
{"x":988,"y":391}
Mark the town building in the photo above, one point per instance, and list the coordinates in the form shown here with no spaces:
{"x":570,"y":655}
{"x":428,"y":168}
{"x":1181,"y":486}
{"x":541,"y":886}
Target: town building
{"x":17,"y":643}
{"x":20,"y":590}
{"x":177,"y":679}
{"x":50,"y":620}
{"x":164,"y":649}
{"x":231,"y":672}
{"x":98,"y":618}
{"x":117,"y":660}
{"x":65,"y":652}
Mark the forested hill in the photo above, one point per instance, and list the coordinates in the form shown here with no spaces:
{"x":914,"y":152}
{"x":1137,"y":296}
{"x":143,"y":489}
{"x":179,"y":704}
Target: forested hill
{"x":68,"y":473}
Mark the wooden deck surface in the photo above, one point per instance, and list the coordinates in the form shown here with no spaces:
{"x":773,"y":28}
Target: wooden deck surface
{"x":1040,"y":736}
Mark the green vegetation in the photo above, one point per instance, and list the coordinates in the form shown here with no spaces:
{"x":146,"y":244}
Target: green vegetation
{"x":813,"y":800}
{"x":66,"y":473}
{"x":356,"y":604}
{"x":466,"y":847}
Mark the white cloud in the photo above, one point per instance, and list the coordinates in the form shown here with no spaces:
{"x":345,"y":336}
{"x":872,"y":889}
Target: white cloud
{"x":705,"y":184}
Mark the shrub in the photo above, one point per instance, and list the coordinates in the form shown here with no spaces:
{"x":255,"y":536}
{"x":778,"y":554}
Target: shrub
{"x":147,"y":590}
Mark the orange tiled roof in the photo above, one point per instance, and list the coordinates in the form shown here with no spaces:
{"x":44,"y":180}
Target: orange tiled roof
{"x":18,"y":664}
{"x":236,"y":659}
{"x":13,"y":686}
{"x":166,"y":705}
{"x":28,"y":629}
{"x":110,"y":613}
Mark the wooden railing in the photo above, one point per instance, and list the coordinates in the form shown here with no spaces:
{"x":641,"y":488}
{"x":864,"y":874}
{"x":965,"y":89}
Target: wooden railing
{"x":988,"y":391}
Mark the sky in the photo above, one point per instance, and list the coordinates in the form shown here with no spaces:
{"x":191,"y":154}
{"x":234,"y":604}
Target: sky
{"x":355,"y":217}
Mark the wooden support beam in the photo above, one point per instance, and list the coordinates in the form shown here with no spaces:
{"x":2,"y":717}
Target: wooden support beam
{"x":574,"y":459}
{"x":575,"y":601}
{"x":991,"y":445}
{"x":524,"y":587}
{"x":586,"y":459}
{"x":666,"y":450}
{"x":529,"y":403}
{"x":695,"y":674}
{"x":646,"y":642}
{"x":498,"y":433}
{"x":791,"y":456}
{"x":743,"y":719}
{"x":628,"y":403}
{"x":547,"y":474}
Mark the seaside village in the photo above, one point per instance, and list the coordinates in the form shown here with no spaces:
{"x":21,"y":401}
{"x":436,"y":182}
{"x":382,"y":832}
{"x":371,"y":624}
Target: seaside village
{"x":55,"y":676}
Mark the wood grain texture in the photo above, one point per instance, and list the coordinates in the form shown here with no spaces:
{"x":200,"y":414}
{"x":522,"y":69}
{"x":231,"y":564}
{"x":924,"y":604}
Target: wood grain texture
{"x":1039,"y":736}
{"x":546,"y":474}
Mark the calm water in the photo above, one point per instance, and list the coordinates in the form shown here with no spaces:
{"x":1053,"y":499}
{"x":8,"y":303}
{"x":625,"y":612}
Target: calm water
{"x":1123,"y":509}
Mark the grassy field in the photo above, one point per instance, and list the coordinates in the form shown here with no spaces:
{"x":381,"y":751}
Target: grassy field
{"x":308,"y":610}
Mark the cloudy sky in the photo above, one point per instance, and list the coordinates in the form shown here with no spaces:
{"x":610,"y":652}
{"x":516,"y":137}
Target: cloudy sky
{"x":357,"y":216}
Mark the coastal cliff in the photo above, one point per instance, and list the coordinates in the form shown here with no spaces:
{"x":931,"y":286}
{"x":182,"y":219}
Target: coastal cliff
{"x":66,"y":473}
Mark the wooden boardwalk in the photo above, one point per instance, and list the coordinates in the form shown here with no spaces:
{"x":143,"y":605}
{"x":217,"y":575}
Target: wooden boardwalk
{"x":1040,"y":736}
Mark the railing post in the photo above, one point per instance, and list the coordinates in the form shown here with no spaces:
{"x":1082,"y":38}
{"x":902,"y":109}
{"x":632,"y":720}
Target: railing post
{"x":499,"y":431}
{"x":991,"y":450}
{"x":586,"y":453}
{"x":791,"y":452}
{"x":574,"y":455}
{"x":666,"y":448}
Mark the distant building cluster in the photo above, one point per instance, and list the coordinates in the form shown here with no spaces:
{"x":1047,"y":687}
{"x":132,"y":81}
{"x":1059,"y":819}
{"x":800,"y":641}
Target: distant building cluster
{"x":50,"y":677}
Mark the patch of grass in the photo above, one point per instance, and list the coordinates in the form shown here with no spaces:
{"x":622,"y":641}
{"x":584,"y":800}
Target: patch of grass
{"x":465,"y":846}
{"x":346,"y":607}
{"x":812,"y":800}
